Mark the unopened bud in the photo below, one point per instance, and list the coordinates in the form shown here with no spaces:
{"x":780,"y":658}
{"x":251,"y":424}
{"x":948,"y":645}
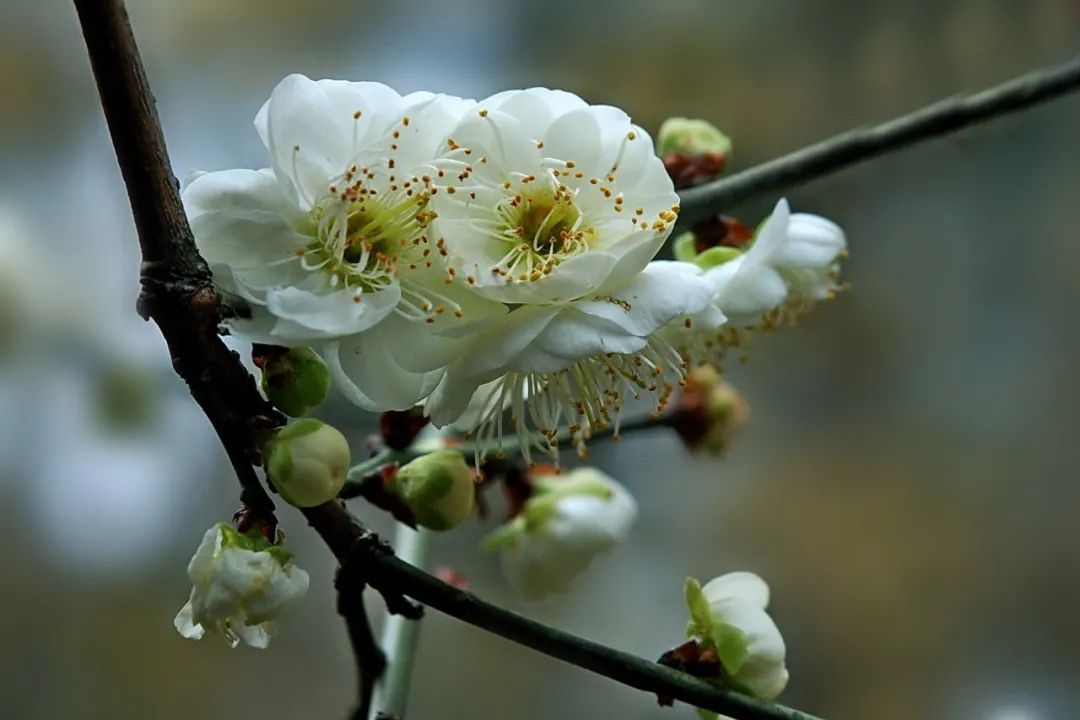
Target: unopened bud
{"x":710,"y":411}
{"x":691,"y":136}
{"x":437,"y":487}
{"x":307,"y":461}
{"x":295,"y":380}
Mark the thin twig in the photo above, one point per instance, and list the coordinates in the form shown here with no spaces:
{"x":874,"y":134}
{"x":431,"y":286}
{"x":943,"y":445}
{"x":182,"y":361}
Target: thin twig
{"x":382,"y":570}
{"x":177,"y":291}
{"x":836,"y":153}
{"x":370,"y":660}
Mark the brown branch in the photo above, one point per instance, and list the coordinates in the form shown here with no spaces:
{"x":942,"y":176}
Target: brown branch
{"x":370,"y":659}
{"x":177,"y":291}
{"x":836,"y":153}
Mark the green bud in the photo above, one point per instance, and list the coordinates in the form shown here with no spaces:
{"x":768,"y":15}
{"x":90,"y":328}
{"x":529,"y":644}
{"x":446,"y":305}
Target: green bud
{"x":307,"y":461}
{"x":437,"y":487}
{"x":296,"y":381}
{"x":716,"y":256}
{"x":683,"y":247}
{"x":691,"y":137}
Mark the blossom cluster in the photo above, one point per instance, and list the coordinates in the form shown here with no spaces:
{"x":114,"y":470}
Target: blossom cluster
{"x":478,"y":257}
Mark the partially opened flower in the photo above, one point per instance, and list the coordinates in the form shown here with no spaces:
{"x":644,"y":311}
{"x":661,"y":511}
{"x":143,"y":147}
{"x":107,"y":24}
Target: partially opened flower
{"x":333,"y":237}
{"x":791,"y":255}
{"x":569,"y":520}
{"x":242,"y":585}
{"x":728,"y":617}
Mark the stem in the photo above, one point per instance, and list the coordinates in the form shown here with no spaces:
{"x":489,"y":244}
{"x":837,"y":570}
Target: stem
{"x":941,"y":118}
{"x":400,"y":636}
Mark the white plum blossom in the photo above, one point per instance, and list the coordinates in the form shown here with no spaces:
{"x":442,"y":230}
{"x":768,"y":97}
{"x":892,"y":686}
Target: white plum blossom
{"x":543,"y":198}
{"x":572,"y":518}
{"x":792,"y":258}
{"x":324,"y":242}
{"x":484,"y":259}
{"x":241,"y":586}
{"x":792,"y":264}
{"x":728,"y":615}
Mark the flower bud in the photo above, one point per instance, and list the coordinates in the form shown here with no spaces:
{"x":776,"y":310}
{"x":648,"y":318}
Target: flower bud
{"x":295,"y":380}
{"x":437,"y":487}
{"x":710,"y":411}
{"x":307,"y":461}
{"x":728,"y":616}
{"x":691,"y":137}
{"x":569,"y":520}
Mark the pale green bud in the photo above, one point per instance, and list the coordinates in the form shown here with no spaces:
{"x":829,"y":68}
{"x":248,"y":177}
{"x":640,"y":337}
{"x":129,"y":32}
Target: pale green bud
{"x":307,"y":461}
{"x":296,"y":381}
{"x":437,"y":487}
{"x":691,"y":137}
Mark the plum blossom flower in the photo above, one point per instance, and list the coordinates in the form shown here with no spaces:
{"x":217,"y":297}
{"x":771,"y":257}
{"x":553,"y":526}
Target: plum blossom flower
{"x":242,"y":585}
{"x":569,"y":520}
{"x":543,"y":198}
{"x":728,"y":616}
{"x":332,"y":238}
{"x":790,"y":264}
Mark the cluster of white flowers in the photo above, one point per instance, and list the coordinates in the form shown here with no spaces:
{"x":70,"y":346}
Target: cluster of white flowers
{"x":478,"y":257}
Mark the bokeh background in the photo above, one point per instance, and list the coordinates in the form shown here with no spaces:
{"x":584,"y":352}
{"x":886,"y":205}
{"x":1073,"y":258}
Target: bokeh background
{"x":908,"y":484}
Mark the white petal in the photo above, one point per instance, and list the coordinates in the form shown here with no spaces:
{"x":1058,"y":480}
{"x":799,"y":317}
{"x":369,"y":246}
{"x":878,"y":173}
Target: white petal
{"x":256,"y":636}
{"x":738,"y":585}
{"x":535,"y":108}
{"x":286,"y":588}
{"x":185,"y":625}
{"x":663,"y":292}
{"x":366,"y":372}
{"x":745,"y":289}
{"x":241,"y":219}
{"x":201,"y":566}
{"x":312,"y":133}
{"x":309,"y":316}
{"x":771,"y":237}
{"x":812,"y":242}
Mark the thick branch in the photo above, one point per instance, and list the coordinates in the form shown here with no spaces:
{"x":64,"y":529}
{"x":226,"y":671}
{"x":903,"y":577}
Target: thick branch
{"x":177,"y":291}
{"x":836,"y":153}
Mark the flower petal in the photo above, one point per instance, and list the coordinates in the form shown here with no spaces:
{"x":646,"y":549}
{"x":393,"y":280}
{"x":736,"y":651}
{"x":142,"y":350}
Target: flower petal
{"x":663,"y":292}
{"x":313,"y":133}
{"x":738,"y":585}
{"x":306,"y":315}
{"x":812,"y":242}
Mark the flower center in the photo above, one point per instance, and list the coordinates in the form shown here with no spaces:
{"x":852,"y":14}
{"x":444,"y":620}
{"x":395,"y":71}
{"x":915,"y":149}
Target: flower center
{"x":362,"y":235}
{"x":543,"y":227}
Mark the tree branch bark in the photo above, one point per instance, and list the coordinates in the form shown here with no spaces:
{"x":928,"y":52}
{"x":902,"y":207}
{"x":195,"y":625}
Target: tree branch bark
{"x":177,"y":290}
{"x":836,"y":153}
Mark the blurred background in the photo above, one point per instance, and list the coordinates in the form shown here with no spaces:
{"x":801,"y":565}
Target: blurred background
{"x":908,"y":484}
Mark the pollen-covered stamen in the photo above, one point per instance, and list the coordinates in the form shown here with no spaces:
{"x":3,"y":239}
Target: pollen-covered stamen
{"x":540,"y":226}
{"x":587,"y":397}
{"x":364,"y":233}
